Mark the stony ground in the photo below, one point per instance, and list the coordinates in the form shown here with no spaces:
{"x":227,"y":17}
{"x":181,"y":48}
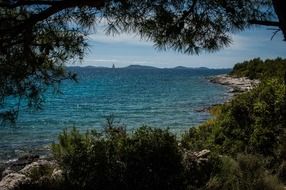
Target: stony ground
{"x":236,"y":84}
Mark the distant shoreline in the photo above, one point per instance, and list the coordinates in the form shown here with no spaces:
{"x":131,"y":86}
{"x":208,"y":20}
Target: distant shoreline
{"x":144,"y":67}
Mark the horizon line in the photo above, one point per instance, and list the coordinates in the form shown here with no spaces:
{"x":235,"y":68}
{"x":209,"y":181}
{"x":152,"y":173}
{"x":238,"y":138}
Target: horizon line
{"x":149,"y":66}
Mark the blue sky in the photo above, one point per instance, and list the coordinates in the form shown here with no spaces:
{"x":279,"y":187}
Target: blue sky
{"x":126,"y":49}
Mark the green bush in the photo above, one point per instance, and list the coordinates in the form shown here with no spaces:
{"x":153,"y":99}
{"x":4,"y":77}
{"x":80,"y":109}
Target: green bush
{"x":254,"y":122}
{"x":251,"y":123}
{"x":282,"y":171}
{"x":244,"y":173}
{"x":146,"y":159}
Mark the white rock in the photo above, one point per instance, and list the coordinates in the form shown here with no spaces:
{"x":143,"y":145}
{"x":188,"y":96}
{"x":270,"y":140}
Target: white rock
{"x":37,"y":166}
{"x":202,"y":154}
{"x":239,"y":84}
{"x":13,"y":181}
{"x":7,"y":172}
{"x":57,"y":174}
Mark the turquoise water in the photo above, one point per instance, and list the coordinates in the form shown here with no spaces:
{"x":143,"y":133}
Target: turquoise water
{"x":156,"y":97}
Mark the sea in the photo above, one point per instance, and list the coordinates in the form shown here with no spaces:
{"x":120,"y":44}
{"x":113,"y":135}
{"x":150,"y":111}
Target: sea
{"x":134,"y":96}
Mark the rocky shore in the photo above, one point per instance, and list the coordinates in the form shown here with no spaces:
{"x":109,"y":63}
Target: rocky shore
{"x":236,"y":84}
{"x":31,"y":171}
{"x":27,"y":171}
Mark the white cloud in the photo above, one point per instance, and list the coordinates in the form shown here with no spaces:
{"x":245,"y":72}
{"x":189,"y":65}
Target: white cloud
{"x":119,"y":61}
{"x":127,"y":49}
{"x":103,"y":60}
{"x":125,"y":38}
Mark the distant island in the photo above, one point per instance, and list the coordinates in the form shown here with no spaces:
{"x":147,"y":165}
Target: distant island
{"x":145,"y":67}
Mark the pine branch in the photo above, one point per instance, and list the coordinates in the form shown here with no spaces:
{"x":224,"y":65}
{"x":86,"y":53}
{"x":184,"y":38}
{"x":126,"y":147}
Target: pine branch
{"x":26,"y":3}
{"x":264,"y":22}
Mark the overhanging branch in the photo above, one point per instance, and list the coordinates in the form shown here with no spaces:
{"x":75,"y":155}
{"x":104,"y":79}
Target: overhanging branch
{"x":90,"y":3}
{"x":26,"y":3}
{"x":265,"y":22}
{"x":55,"y":7}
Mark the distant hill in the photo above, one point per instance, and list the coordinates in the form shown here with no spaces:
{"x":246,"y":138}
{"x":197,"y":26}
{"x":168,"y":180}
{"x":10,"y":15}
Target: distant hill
{"x":88,"y":67}
{"x":139,"y":67}
{"x":180,"y":67}
{"x":144,"y":67}
{"x":196,"y":68}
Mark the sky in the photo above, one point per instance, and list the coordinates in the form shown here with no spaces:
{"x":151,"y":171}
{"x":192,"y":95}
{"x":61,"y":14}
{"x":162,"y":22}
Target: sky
{"x":127,"y":49}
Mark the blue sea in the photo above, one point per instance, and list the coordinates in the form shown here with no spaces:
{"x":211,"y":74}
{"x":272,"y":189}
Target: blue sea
{"x":135,"y":96}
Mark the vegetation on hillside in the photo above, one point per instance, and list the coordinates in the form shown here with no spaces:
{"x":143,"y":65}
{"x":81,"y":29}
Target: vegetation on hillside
{"x":252,"y":123}
{"x":261,"y":69}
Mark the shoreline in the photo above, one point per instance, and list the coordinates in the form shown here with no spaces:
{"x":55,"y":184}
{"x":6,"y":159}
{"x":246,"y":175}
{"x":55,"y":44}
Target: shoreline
{"x":235,"y":84}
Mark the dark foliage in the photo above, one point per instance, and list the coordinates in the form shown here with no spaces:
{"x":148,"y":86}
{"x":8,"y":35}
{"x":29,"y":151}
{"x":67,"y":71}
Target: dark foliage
{"x":244,"y":172}
{"x":147,"y":159}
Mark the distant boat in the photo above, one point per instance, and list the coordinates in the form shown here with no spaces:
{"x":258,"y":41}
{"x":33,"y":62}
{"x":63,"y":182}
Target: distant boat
{"x":113,"y":66}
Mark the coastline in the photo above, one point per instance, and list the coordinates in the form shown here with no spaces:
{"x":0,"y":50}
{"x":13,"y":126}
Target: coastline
{"x":235,"y":84}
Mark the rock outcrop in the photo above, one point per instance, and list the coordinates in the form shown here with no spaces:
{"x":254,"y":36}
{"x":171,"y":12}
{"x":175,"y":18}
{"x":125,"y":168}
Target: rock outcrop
{"x":38,"y":167}
{"x":196,"y":158}
{"x":31,"y":171}
{"x":13,"y":181}
{"x":198,"y":166}
{"x":240,"y":84}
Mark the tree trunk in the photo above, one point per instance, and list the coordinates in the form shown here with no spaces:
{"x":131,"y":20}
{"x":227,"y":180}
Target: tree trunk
{"x":280,"y":9}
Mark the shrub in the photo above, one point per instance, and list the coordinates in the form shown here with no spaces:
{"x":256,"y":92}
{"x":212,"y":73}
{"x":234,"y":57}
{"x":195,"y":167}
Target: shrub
{"x":253,"y":122}
{"x":244,"y":173}
{"x":282,"y":171}
{"x":146,"y":159}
